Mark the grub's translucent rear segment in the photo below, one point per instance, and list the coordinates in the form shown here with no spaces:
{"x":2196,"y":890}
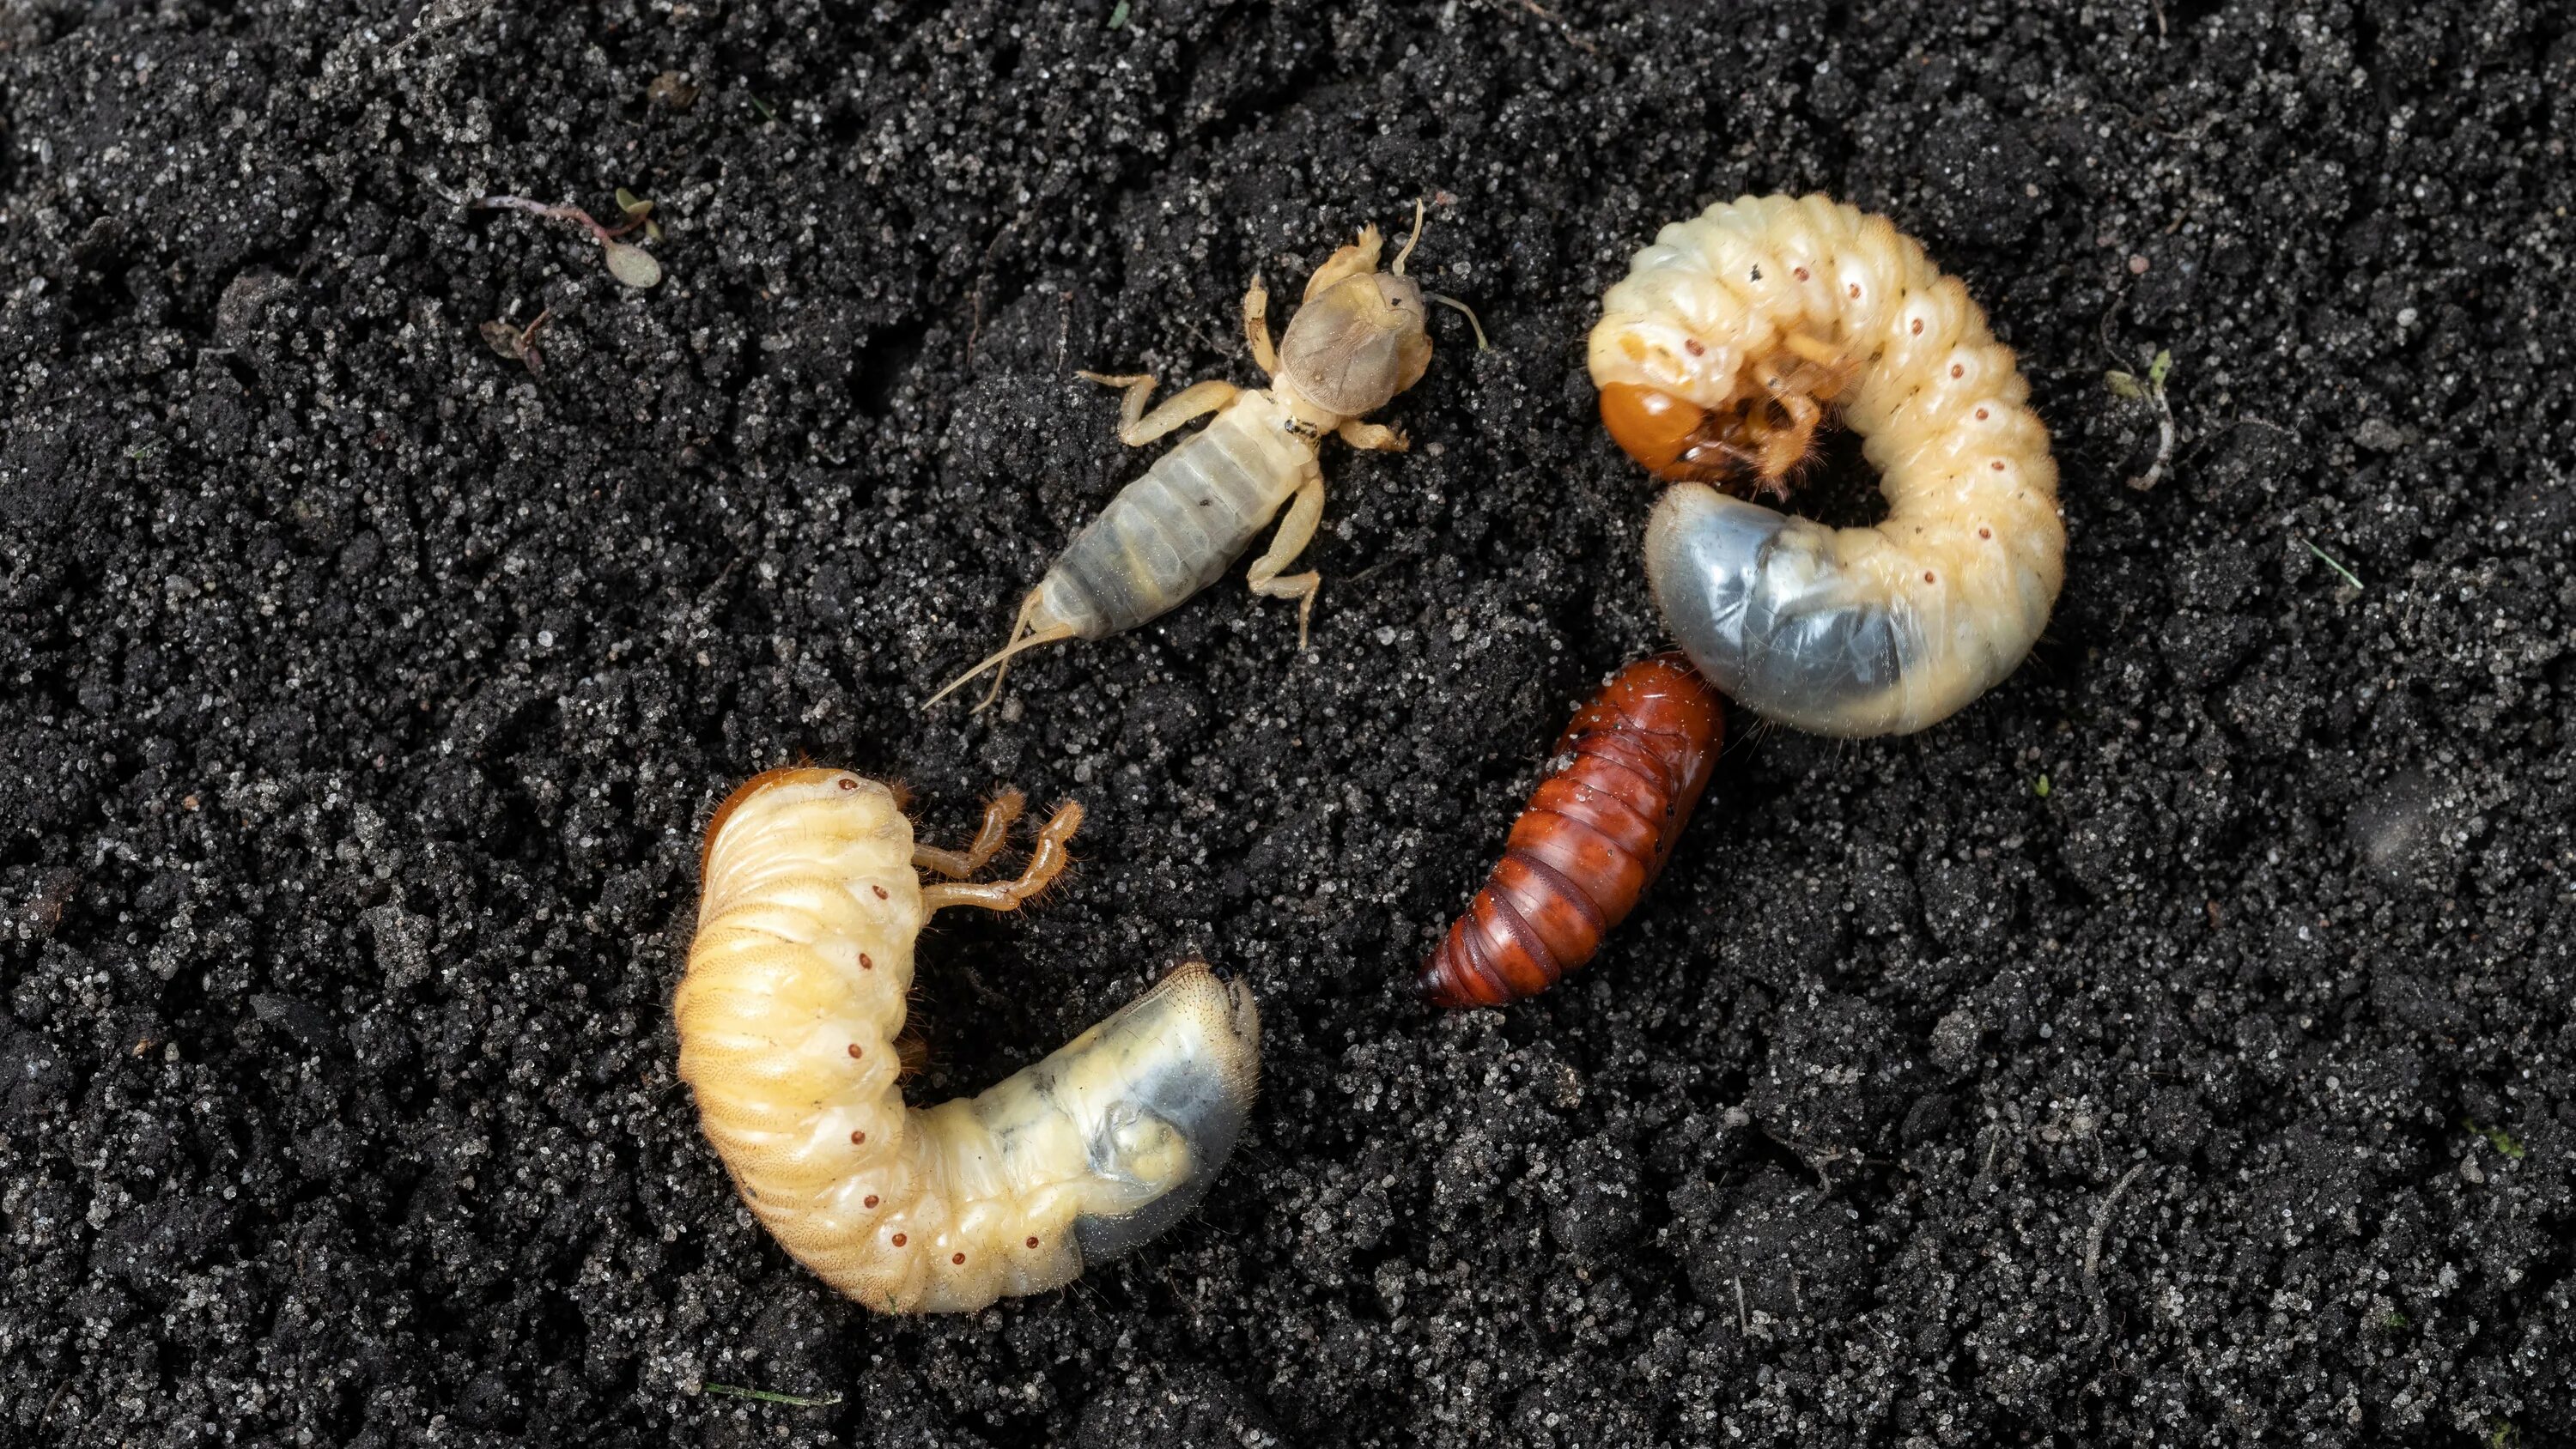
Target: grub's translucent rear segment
{"x":787,"y":1018}
{"x":1732,"y":339}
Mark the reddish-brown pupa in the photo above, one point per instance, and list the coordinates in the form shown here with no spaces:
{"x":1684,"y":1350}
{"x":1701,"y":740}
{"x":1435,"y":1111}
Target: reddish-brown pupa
{"x":1595,"y":834}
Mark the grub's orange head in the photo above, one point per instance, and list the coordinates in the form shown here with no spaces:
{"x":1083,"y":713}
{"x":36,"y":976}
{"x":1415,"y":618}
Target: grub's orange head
{"x":1659,"y":430}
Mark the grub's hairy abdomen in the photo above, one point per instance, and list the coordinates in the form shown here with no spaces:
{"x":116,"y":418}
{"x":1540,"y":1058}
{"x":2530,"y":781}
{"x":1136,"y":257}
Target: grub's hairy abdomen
{"x":787,"y":1017}
{"x":1177,"y":528}
{"x":1859,"y":631}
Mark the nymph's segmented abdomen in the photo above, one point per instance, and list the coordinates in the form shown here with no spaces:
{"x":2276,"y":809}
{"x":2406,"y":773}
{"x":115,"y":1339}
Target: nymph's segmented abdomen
{"x":1176,"y":529}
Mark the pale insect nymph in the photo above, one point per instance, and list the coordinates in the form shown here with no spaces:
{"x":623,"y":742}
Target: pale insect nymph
{"x":1358,"y":340}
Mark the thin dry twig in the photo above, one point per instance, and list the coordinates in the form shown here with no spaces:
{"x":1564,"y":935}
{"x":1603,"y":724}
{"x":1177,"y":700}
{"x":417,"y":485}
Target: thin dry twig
{"x":983,"y":278}
{"x":2101,"y":1222}
{"x":1552,"y":18}
{"x":2150,"y":389}
{"x":437,"y":20}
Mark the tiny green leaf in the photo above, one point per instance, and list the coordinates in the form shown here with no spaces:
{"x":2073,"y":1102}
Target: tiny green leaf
{"x":633,"y":206}
{"x":765,"y":1396}
{"x":2159,"y":369}
{"x":2040,"y":787}
{"x":2328,"y":559}
{"x":2124,"y":384}
{"x":633,"y":265}
{"x":2497,"y":1138}
{"x":1118,"y":14}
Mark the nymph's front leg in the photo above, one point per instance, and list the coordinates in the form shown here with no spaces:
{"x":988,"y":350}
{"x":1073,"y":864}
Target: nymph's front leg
{"x":1256,"y":326}
{"x":1377,"y":437}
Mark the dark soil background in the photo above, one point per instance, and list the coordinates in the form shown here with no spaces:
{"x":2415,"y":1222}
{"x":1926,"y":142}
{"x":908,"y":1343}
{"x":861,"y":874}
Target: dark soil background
{"x":2174,"y":1047}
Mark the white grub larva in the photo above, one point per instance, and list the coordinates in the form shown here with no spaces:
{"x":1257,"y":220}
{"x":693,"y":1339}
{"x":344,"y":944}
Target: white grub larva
{"x":1358,"y":341}
{"x":1729,"y":342}
{"x":787,"y":1021}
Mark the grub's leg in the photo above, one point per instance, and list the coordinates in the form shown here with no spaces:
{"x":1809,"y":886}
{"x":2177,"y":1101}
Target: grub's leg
{"x":1137,"y":427}
{"x":1356,"y":260}
{"x":1375,"y":436}
{"x":1256,"y":326}
{"x":1814,"y":350}
{"x":1294,"y":534}
{"x":1787,"y":447}
{"x":959,"y":864}
{"x":1045,"y":864}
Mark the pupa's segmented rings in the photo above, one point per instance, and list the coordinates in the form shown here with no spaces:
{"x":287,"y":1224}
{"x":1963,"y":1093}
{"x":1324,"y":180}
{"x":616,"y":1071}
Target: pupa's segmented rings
{"x":1595,"y":835}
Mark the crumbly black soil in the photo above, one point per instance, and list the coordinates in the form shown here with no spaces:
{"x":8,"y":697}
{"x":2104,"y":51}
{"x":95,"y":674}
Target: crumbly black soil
{"x":2174,"y":1047}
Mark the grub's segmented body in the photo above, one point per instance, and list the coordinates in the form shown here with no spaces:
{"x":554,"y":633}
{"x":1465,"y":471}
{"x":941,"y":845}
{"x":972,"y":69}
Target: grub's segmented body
{"x":1176,"y":530}
{"x":1595,"y":835}
{"x":787,"y":1021}
{"x":1718,"y":356}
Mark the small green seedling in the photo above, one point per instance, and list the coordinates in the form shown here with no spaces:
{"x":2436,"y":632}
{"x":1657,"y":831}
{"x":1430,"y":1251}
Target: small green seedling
{"x":2040,"y":787}
{"x":796,"y":1401}
{"x":2152,"y":389}
{"x":2329,"y":561}
{"x":627,"y":263}
{"x":2497,"y":1138}
{"x":638,"y":210}
{"x":518,"y":344}
{"x":1118,"y":14}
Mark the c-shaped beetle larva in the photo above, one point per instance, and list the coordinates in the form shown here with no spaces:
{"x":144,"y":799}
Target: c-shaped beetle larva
{"x":1717,"y":358}
{"x":787,"y":1020}
{"x":1595,"y":835}
{"x":1358,"y":340}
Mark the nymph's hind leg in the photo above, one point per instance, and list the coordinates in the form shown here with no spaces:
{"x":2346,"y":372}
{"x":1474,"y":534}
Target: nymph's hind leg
{"x":1783,"y":449}
{"x":1045,"y":863}
{"x":1004,"y":809}
{"x":1295,"y":532}
{"x":1136,"y":427}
